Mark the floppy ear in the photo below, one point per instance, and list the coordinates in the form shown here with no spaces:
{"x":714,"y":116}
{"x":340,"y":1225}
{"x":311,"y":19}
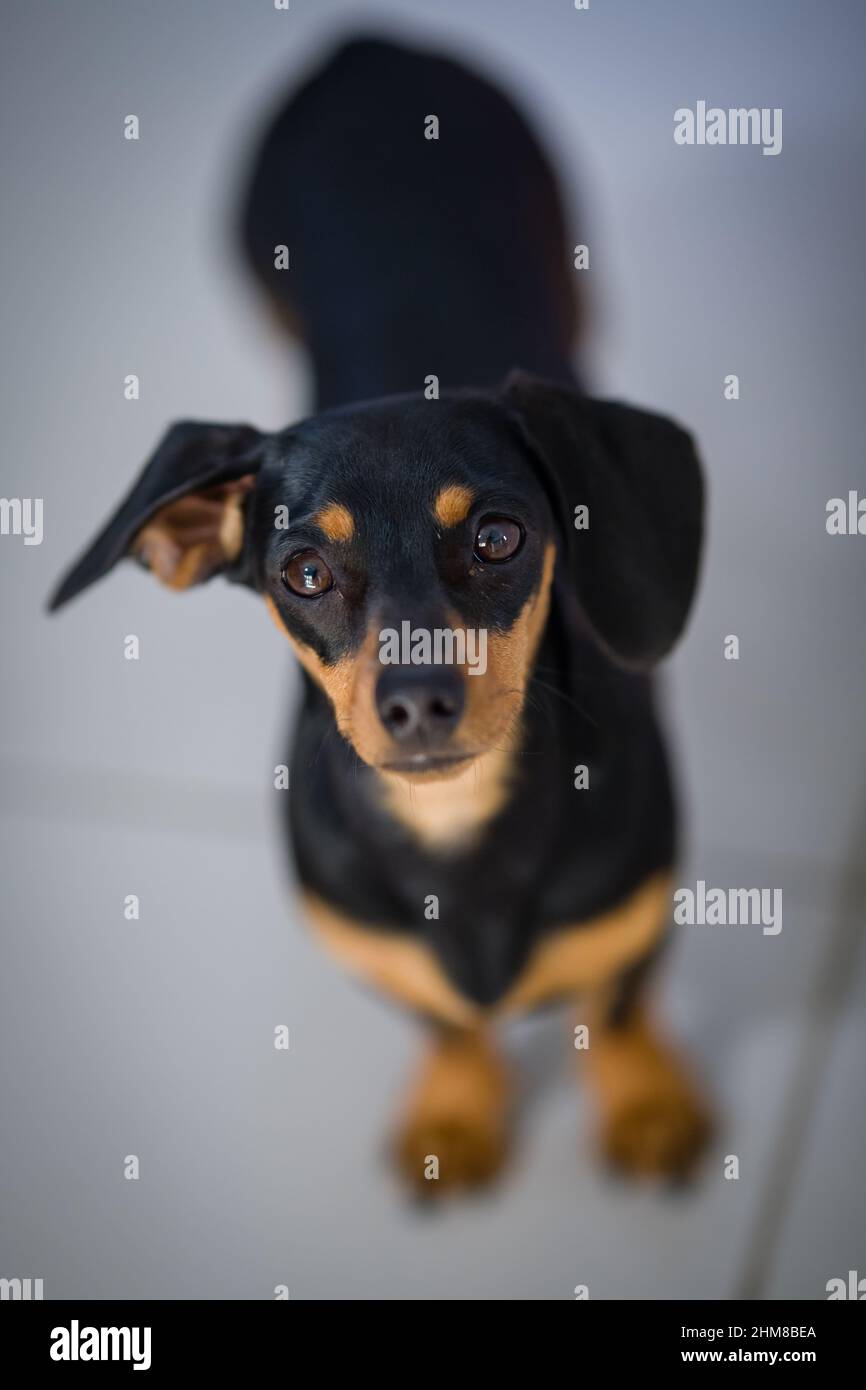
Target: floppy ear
{"x":184,"y":517}
{"x":634,"y":567}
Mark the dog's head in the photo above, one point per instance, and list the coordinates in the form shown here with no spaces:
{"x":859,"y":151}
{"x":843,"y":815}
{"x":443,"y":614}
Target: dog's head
{"x":407,"y":548}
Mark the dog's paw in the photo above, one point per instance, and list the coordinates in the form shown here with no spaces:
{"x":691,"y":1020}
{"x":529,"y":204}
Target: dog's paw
{"x":441,"y":1154}
{"x":653,"y":1122}
{"x":453,"y":1133}
{"x":659,"y":1131}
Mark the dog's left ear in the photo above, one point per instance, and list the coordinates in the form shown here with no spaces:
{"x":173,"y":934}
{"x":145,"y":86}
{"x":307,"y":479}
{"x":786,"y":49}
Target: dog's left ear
{"x":634,"y":564}
{"x":184,"y":519}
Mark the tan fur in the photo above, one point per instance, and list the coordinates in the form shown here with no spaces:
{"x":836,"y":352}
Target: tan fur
{"x":452,"y":505}
{"x":456,"y":1112}
{"x":582,"y":958}
{"x":340,"y":680}
{"x":494,"y":700}
{"x":191,"y":538}
{"x":570,"y":961}
{"x":336,"y":521}
{"x":450,"y":813}
{"x":393,"y":962}
{"x":653,"y":1122}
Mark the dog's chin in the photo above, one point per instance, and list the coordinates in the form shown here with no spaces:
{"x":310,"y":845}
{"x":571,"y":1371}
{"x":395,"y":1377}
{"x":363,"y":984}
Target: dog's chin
{"x":428,"y":767}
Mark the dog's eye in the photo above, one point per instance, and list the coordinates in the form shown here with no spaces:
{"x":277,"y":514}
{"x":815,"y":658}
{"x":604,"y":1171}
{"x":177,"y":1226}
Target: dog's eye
{"x":498,"y":538}
{"x":307,"y":574}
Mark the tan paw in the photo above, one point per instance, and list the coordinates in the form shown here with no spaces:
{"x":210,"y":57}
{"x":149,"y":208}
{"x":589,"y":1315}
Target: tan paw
{"x":653,"y":1122}
{"x":659,"y":1132}
{"x":453,"y":1134}
{"x":440,"y":1155}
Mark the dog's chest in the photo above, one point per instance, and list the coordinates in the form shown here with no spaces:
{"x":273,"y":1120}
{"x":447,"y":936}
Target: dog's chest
{"x":511,"y":915}
{"x":568,"y":961}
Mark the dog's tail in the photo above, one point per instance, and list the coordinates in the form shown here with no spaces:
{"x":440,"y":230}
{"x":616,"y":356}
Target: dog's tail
{"x":397,"y":191}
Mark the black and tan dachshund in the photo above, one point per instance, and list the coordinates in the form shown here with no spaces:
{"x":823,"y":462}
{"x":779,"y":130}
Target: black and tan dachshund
{"x":477,"y":840}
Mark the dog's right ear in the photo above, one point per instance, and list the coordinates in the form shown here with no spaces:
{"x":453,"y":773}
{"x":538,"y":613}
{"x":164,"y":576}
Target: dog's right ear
{"x":185,"y":517}
{"x":634,"y":569}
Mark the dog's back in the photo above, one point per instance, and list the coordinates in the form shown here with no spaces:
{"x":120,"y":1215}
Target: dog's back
{"x":416,"y":246}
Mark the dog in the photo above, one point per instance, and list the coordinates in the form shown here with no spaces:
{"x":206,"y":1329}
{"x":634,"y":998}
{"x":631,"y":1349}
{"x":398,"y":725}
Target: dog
{"x":474,"y":842}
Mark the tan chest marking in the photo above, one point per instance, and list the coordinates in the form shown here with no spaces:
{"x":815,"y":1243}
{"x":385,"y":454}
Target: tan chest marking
{"x":578,"y":959}
{"x":571,"y":960}
{"x":449,"y":814}
{"x":394,"y":963}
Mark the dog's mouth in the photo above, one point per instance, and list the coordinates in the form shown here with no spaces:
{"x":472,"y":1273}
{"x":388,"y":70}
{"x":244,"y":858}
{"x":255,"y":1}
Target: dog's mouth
{"x":431,"y":764}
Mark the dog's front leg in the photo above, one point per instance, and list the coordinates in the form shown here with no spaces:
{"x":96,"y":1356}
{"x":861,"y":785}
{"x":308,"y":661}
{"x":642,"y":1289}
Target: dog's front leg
{"x":652,"y":1119}
{"x":454,"y":1127}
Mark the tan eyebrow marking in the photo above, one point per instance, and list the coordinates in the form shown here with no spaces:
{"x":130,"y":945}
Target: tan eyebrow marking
{"x":336,"y":521}
{"x":452,"y":505}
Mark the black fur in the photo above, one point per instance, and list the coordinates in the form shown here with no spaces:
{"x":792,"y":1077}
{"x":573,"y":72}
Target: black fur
{"x":411,"y":257}
{"x":408,"y":255}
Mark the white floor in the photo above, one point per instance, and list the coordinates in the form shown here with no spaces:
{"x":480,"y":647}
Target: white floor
{"x":154,"y":777}
{"x":259,"y":1168}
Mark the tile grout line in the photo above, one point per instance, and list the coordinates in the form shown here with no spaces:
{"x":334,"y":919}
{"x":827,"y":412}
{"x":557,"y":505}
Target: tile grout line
{"x":196,"y":790}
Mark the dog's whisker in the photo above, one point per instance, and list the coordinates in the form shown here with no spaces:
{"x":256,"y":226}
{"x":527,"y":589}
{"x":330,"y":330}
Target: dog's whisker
{"x":567,"y":699}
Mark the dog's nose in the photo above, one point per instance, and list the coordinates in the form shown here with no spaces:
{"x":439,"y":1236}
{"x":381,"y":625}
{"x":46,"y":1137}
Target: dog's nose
{"x":420,"y":705}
